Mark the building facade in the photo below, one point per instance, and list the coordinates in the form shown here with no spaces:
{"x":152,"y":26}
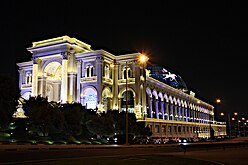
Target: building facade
{"x":67,"y":70}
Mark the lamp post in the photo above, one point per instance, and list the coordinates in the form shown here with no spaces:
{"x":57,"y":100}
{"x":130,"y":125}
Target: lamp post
{"x":126,"y":109}
{"x":229,"y":123}
{"x":243,"y":119}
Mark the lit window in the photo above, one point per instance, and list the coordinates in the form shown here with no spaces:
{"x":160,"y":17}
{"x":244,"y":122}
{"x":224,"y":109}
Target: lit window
{"x":106,"y":70}
{"x":126,"y":73}
{"x":89,"y":71}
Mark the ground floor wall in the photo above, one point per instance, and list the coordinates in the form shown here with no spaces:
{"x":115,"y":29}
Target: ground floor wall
{"x":175,"y":129}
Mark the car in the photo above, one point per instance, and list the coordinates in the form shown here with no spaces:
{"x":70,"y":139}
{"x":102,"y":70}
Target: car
{"x":182,"y":140}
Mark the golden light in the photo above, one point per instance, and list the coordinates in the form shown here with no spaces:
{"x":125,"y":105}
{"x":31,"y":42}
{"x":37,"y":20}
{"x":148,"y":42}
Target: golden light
{"x":235,"y":113}
{"x":222,"y":114}
{"x":233,"y":118}
{"x":247,"y":121}
{"x":143,"y":59}
{"x":239,"y":121}
{"x":218,"y":100}
{"x":243,"y":118}
{"x":112,"y":65}
{"x":198,"y":102}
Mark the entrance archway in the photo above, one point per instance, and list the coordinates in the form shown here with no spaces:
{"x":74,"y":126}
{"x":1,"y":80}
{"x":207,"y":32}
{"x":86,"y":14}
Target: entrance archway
{"x":89,"y":98}
{"x":130,"y":101}
{"x":53,"y":72}
{"x":106,"y":98}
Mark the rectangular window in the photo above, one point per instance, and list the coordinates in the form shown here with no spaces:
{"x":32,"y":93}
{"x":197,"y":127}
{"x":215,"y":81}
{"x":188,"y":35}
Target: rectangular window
{"x":163,"y":129}
{"x":175,"y":129}
{"x":157,"y":128}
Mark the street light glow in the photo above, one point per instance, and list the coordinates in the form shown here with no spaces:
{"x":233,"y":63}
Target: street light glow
{"x":218,"y":100}
{"x":143,"y":59}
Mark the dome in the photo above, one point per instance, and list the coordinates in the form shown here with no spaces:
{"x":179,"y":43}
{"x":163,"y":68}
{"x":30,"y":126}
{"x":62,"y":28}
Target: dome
{"x":167,"y":76}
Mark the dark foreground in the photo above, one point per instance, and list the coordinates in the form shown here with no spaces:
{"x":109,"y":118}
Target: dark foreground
{"x":231,"y":153}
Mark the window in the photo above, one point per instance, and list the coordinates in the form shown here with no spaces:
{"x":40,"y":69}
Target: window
{"x":126,"y":73}
{"x":89,"y":71}
{"x":156,"y":128}
{"x":107,"y":71}
{"x":28,"y":78}
{"x":163,"y":130}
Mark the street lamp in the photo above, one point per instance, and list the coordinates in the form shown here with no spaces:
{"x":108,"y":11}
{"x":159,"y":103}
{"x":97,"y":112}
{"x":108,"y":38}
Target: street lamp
{"x":243,"y":119}
{"x":238,"y":121}
{"x":229,"y":123}
{"x":142,"y":59}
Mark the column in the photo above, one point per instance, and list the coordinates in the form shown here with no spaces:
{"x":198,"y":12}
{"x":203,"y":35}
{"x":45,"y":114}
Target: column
{"x":115,"y":87}
{"x":156,"y":106}
{"x":42,"y":86}
{"x":72,"y":77}
{"x":79,"y":73}
{"x":150,"y":114}
{"x":71,"y":97}
{"x":35,"y":79}
{"x":162,"y":108}
{"x":20,"y":77}
{"x":167,"y":110}
{"x":171,"y":112}
{"x":64,"y":80}
{"x":99,"y":71}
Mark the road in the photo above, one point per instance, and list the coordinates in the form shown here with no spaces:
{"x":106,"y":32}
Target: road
{"x":28,"y":154}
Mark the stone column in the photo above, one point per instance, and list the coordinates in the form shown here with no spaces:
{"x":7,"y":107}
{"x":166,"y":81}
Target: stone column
{"x":150,"y":113}
{"x":172,"y":111}
{"x":156,"y":106}
{"x":35,"y":78}
{"x":42,"y":86}
{"x":99,"y":71}
{"x":20,"y":78}
{"x":64,"y":79}
{"x":71,"y":97}
{"x":79,"y":73}
{"x":162,"y":108}
{"x":115,"y":86}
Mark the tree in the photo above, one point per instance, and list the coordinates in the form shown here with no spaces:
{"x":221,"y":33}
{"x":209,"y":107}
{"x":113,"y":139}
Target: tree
{"x":8,"y":100}
{"x":73,"y":118}
{"x":101,"y":125}
{"x":44,"y":117}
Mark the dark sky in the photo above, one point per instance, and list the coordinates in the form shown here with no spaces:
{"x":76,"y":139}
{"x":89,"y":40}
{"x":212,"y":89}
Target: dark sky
{"x":204,"y":42}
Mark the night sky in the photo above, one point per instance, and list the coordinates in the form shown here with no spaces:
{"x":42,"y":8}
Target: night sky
{"x":205,"y":43}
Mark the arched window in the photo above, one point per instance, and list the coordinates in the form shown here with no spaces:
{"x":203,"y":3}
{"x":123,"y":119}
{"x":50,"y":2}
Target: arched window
{"x":129,"y":101}
{"x":89,"y":71}
{"x":28,"y":78}
{"x":126,"y":73}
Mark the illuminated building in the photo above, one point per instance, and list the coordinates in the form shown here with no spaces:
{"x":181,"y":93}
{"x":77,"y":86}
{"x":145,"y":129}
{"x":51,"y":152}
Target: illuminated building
{"x":67,"y":70}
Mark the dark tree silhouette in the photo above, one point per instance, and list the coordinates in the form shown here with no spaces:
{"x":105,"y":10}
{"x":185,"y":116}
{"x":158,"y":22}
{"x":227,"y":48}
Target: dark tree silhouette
{"x":9,"y":95}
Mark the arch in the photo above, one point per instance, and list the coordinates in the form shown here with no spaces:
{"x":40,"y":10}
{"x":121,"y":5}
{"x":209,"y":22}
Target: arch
{"x":26,"y":95}
{"x":166,"y":97}
{"x":53,"y":71}
{"x":106,"y":97}
{"x":130,"y":94}
{"x":148,"y":91}
{"x":89,"y":97}
{"x":182,"y":103}
{"x":170,"y":99}
{"x":160,"y":95}
{"x":123,"y":90}
{"x":154,"y":93}
{"x":185,"y":104}
{"x":178,"y":102}
{"x":175,"y":100}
